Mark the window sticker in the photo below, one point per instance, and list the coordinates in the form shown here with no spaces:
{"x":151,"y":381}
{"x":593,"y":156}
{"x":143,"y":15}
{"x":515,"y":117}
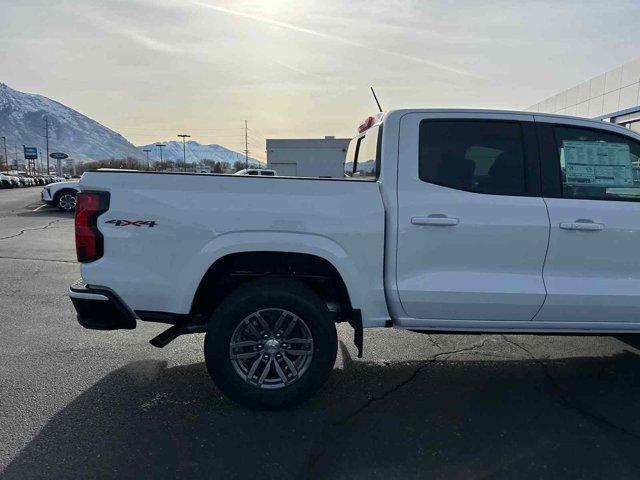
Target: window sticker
{"x":596,"y":163}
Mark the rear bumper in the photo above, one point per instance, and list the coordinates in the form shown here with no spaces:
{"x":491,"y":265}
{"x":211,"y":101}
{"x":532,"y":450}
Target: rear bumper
{"x":100,"y":309}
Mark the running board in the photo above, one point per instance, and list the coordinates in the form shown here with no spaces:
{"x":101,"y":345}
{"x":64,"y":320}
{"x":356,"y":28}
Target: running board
{"x":170,"y":334}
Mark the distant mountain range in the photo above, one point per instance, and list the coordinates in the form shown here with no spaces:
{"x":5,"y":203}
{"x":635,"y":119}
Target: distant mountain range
{"x":194,"y":152}
{"x":22,"y":122}
{"x":367,"y":166}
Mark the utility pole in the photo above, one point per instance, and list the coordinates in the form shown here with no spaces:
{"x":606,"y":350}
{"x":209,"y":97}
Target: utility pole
{"x":15,"y":151}
{"x":46,"y":134}
{"x":246,"y":146}
{"x":147,"y":150}
{"x":6,"y":158}
{"x":160,"y":145}
{"x":184,"y":137}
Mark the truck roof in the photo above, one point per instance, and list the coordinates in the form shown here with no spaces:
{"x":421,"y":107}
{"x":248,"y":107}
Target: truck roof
{"x":598,"y":123}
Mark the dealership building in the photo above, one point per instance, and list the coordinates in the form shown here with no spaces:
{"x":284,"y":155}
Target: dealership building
{"x":613,"y":96}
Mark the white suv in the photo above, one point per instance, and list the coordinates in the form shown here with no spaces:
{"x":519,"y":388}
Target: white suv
{"x":61,"y":195}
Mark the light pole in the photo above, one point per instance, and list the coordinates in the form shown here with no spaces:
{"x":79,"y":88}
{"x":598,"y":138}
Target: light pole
{"x":160,"y":145}
{"x":184,"y":137}
{"x":147,"y":150}
{"x":46,"y":134}
{"x":6,"y":158}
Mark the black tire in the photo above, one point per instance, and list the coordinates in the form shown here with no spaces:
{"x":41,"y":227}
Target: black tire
{"x":270,"y":293}
{"x":62,"y":200}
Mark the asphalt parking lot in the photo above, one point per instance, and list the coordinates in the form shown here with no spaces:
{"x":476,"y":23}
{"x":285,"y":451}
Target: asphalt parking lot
{"x":82,"y":404}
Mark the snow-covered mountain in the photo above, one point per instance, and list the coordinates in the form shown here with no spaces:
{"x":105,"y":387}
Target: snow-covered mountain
{"x":195,"y":152}
{"x":22,"y":122}
{"x":367,"y":166}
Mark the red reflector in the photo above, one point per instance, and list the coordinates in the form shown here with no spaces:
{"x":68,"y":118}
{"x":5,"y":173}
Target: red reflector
{"x":89,"y":240}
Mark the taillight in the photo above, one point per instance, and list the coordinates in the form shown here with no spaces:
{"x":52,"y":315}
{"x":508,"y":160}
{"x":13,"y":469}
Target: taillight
{"x":89,"y":240}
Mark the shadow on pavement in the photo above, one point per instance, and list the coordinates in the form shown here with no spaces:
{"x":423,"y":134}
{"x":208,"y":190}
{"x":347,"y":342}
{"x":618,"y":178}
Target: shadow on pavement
{"x":575,"y":418}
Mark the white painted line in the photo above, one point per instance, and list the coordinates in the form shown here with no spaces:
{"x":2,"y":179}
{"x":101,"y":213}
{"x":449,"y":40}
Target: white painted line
{"x":44,"y":205}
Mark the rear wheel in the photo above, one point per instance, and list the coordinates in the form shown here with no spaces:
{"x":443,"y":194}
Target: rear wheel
{"x":271,"y":344}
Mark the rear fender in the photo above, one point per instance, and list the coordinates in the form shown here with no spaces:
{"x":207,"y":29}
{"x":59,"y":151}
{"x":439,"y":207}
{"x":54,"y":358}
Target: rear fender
{"x":268,"y":241}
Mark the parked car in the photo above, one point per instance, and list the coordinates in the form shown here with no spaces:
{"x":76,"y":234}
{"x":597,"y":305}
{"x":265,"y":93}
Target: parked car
{"x":26,"y":180}
{"x":15,"y":180}
{"x":5,"y":181}
{"x":61,"y":195}
{"x":256,"y":171}
{"x":469,"y":222}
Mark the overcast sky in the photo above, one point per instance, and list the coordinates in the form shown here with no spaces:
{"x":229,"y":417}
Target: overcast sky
{"x":153,"y":69}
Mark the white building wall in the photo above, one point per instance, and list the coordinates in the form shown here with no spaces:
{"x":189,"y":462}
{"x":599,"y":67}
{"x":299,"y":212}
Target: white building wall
{"x":613,"y":91}
{"x":322,"y":157}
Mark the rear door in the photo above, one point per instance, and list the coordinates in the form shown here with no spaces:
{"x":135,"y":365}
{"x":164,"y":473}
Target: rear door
{"x":591,"y":180}
{"x":472,"y":227}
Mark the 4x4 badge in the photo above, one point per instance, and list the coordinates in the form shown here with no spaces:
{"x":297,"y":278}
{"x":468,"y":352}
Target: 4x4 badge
{"x":135,"y":223}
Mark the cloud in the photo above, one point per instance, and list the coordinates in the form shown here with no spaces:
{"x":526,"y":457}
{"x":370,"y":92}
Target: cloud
{"x":133,"y":34}
{"x":297,"y":69}
{"x":335,"y":38}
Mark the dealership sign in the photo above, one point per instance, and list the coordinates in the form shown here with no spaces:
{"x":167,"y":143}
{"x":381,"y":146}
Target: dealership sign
{"x":30,"y":153}
{"x":58,"y":155}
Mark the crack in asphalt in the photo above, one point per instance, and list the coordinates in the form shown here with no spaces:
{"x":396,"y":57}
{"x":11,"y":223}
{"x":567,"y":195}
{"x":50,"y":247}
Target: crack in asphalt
{"x":38,"y":259}
{"x":31,"y":229}
{"x":568,"y":402}
{"x":314,"y":458}
{"x":433,"y":342}
{"x":408,"y":380}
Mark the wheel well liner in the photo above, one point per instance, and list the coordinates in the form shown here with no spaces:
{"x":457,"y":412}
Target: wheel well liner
{"x":230,"y":271}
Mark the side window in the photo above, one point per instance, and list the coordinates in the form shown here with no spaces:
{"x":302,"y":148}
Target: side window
{"x":484,"y":156}
{"x":595,"y":164}
{"x":363,"y":151}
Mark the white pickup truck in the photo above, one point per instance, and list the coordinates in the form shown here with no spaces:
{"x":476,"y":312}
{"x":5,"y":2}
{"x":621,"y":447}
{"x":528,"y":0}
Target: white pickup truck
{"x":469,"y":221}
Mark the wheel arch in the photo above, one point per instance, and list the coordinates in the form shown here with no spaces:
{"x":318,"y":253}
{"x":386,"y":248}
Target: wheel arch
{"x":62,"y":191}
{"x":234,"y":269}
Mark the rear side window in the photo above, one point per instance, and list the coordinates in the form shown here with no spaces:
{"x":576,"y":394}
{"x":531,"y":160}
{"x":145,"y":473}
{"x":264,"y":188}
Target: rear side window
{"x":598,"y":165}
{"x":363,"y":152}
{"x":473,"y":155}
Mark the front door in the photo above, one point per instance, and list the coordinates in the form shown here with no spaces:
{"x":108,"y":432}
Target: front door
{"x":472,"y":227}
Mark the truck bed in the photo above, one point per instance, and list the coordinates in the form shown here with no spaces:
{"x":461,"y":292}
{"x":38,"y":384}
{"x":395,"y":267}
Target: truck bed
{"x":199,"y":218}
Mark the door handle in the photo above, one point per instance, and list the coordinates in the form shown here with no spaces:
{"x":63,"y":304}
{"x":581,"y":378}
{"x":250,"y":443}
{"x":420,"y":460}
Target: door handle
{"x":435,"y":219}
{"x":582,"y":224}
